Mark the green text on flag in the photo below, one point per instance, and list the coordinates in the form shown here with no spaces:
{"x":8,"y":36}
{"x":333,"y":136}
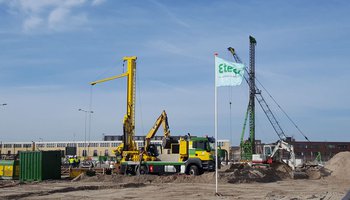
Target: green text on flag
{"x":228,"y":73}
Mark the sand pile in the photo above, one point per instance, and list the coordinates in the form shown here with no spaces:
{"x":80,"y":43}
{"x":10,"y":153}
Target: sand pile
{"x":340,"y":165}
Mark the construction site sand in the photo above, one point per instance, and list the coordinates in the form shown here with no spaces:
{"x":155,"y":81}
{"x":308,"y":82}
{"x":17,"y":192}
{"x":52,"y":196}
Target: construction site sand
{"x":235,"y":182}
{"x":339,"y":165}
{"x":108,"y":187}
{"x":228,"y":175}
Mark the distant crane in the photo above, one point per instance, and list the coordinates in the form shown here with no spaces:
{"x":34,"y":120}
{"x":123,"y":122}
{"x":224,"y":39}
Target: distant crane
{"x":248,"y":146}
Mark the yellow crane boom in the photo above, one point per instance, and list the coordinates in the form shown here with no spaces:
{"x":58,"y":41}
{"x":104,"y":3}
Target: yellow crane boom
{"x":129,"y":118}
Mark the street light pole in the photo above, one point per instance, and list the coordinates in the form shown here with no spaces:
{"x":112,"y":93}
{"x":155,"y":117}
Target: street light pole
{"x":3,"y":104}
{"x":86,"y":112}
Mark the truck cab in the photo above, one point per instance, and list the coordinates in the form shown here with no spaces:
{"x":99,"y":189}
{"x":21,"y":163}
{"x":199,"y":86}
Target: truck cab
{"x":189,"y":155}
{"x":198,"y":155}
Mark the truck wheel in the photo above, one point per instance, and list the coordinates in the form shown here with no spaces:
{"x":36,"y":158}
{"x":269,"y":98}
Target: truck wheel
{"x":193,"y":170}
{"x":130,"y":170}
{"x":142,"y":170}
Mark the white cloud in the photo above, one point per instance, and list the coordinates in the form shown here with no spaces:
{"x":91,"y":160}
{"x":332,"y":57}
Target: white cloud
{"x":58,"y":15}
{"x":97,"y":2}
{"x":32,"y":6}
{"x":52,"y":15}
{"x":71,"y":3}
{"x":32,"y":23}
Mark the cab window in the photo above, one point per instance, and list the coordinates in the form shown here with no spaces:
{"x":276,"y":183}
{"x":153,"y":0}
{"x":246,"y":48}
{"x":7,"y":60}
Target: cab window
{"x":201,"y":145}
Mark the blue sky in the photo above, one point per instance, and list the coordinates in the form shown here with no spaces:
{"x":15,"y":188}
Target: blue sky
{"x":51,"y":50}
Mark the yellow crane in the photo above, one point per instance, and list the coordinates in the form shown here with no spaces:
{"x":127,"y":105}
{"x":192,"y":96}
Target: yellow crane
{"x":128,"y":149}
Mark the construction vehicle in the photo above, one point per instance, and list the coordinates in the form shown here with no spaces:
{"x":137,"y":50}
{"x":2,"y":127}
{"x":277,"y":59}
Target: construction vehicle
{"x":275,"y":153}
{"x":150,"y":151}
{"x":191,"y":155}
{"x":281,"y":155}
{"x":128,"y":149}
{"x":248,"y":146}
{"x":248,"y":150}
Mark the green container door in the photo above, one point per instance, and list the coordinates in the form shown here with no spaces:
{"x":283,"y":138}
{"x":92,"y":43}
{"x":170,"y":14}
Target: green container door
{"x":40,"y":165}
{"x":9,"y":169}
{"x":51,"y":166}
{"x":30,"y":166}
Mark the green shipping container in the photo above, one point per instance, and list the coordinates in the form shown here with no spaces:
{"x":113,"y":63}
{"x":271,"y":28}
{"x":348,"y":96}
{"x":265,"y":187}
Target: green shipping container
{"x":9,"y":169}
{"x":39,"y":165}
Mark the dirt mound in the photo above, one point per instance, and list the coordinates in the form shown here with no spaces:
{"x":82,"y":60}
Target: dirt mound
{"x":205,"y":178}
{"x":317,"y":172}
{"x":339,"y":165}
{"x":246,"y":174}
{"x":241,"y":174}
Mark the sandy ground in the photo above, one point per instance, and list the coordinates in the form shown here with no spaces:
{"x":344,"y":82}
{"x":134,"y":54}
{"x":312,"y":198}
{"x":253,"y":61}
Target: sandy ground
{"x":235,"y":182}
{"x":324,"y":188}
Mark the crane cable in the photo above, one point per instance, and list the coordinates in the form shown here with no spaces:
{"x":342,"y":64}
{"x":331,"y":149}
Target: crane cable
{"x":285,"y":113}
{"x":246,"y":70}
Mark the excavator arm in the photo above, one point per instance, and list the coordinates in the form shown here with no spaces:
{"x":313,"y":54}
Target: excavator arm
{"x":287,"y":147}
{"x":162,"y":119}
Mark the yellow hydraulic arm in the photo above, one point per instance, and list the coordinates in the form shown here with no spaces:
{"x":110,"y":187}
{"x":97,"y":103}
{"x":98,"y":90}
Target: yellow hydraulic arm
{"x":162,"y":119}
{"x":129,"y":118}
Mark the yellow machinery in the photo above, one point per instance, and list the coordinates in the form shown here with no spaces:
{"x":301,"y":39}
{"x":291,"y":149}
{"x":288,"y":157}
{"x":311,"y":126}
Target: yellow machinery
{"x":128,"y":149}
{"x":193,"y":153}
{"x":150,"y":153}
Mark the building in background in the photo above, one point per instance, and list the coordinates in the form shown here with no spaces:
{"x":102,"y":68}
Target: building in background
{"x":90,"y":148}
{"x":308,"y":151}
{"x":305,"y":150}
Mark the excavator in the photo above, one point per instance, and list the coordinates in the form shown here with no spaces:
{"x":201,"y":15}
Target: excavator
{"x":271,"y":154}
{"x":150,"y":152}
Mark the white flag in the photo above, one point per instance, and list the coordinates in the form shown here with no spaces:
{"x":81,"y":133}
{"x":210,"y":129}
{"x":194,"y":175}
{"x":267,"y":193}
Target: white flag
{"x":228,"y":73}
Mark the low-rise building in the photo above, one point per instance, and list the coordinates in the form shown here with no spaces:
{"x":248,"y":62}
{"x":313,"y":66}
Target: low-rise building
{"x":85,"y":148}
{"x":305,"y":150}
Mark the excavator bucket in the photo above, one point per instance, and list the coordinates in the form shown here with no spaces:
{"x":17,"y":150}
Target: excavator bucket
{"x":299,"y":175}
{"x":167,"y":141}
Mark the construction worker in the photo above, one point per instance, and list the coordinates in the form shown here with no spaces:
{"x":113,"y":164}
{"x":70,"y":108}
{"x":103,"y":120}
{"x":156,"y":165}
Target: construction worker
{"x":76,"y":161}
{"x":71,"y":161}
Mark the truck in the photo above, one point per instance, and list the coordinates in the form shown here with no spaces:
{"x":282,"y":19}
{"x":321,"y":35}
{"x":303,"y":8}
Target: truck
{"x":190,"y":155}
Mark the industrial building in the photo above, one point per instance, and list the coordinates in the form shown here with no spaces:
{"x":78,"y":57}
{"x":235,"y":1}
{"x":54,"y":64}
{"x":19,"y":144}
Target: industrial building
{"x":305,"y":150}
{"x":88,"y":148}
{"x":309,"y":150}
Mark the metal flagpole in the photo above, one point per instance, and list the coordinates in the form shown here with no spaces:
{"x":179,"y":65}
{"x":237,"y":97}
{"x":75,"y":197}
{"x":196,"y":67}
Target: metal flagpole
{"x":216,"y":132}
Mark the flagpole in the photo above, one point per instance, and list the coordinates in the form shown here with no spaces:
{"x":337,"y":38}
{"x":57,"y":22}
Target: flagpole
{"x":221,"y":80}
{"x":216,"y":132}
